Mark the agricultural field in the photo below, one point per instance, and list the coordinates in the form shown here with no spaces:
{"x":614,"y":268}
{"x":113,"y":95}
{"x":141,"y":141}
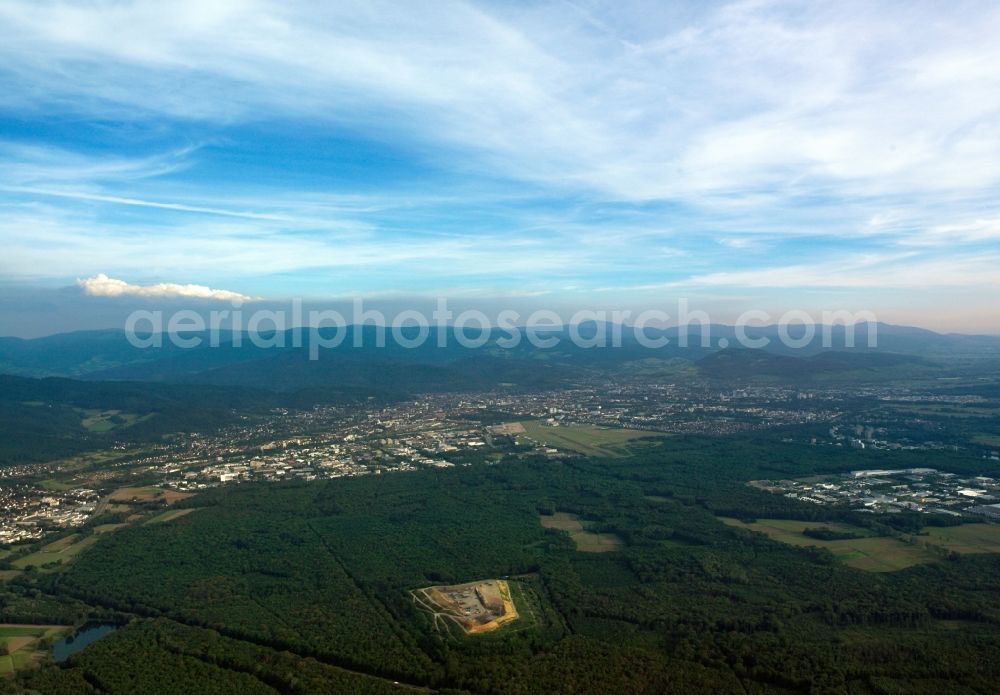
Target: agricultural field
{"x":869,"y":553}
{"x":60,"y":551}
{"x":967,"y":538}
{"x":987,"y":439}
{"x":169,"y":515}
{"x":21,"y":645}
{"x":101,"y":421}
{"x":148,"y":494}
{"x":964,"y":411}
{"x":588,"y":440}
{"x":107,"y":528}
{"x":56,"y":485}
{"x":85,"y":469}
{"x":586,"y":541}
{"x":65,"y":549}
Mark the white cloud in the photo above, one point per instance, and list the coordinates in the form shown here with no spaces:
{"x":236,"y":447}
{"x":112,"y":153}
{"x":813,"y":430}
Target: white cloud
{"x":898,"y":271}
{"x":102,"y":286}
{"x":872,"y":123}
{"x":640,"y":105}
{"x":972,"y":231}
{"x":119,"y":200}
{"x":22,"y":164}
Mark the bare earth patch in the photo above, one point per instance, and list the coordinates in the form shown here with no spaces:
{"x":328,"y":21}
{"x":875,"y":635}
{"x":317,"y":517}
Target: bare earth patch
{"x":586,"y":541}
{"x":476,"y":607}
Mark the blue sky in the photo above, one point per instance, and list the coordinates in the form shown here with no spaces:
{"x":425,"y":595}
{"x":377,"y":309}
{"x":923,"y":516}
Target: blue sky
{"x":751,"y":154}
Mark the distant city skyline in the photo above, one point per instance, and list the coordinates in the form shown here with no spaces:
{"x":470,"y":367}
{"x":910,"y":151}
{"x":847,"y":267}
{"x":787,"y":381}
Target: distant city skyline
{"x":569,"y":155}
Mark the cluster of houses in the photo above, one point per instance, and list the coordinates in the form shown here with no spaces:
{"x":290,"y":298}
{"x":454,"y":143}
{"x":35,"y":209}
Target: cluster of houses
{"x":27,"y":513}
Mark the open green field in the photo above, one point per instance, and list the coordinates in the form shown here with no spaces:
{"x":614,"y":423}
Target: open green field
{"x":60,"y":551}
{"x":655,"y":367}
{"x":107,"y":528}
{"x":586,"y":541}
{"x":871,"y":553}
{"x":589,"y":440}
{"x":967,"y":538}
{"x":56,"y":485}
{"x":169,"y":515}
{"x":562,"y":521}
{"x":21,"y":644}
{"x":101,"y":421}
{"x":526,"y":603}
{"x":76,"y":469}
{"x":945,"y":410}
{"x":148,"y":494}
{"x":62,"y":544}
{"x":64,"y":550}
{"x":987,"y":439}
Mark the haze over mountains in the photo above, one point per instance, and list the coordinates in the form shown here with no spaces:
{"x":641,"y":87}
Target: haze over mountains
{"x":46,"y":383}
{"x":108,"y":356}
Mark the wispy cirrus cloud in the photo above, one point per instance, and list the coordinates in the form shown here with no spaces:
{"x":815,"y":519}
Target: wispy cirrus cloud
{"x":896,"y":271}
{"x":650,"y":105}
{"x":364,"y":145}
{"x":138,"y":202}
{"x":24,"y":164}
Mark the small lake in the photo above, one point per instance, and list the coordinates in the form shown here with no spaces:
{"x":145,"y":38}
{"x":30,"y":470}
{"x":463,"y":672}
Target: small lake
{"x":88,"y":634}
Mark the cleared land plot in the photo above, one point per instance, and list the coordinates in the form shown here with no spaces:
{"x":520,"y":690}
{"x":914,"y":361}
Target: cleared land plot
{"x":169,"y":515}
{"x":562,"y":521}
{"x":100,"y":421}
{"x":476,"y":607}
{"x":967,"y":538}
{"x":508,"y":428}
{"x":148,"y":494}
{"x":22,"y":642}
{"x":589,"y":440}
{"x":586,"y":541}
{"x":871,"y":553}
{"x":987,"y":439}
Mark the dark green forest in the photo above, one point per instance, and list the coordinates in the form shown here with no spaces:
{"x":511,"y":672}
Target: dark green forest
{"x":303,"y":587}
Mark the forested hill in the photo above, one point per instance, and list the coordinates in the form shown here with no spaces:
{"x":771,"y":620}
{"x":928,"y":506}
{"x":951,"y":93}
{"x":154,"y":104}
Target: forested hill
{"x":107,"y":355}
{"x":305,"y":587}
{"x":741,"y":364}
{"x":43,"y":419}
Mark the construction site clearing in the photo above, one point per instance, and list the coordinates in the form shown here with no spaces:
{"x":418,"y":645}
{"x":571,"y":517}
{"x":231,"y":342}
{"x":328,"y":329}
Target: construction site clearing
{"x":476,"y":607}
